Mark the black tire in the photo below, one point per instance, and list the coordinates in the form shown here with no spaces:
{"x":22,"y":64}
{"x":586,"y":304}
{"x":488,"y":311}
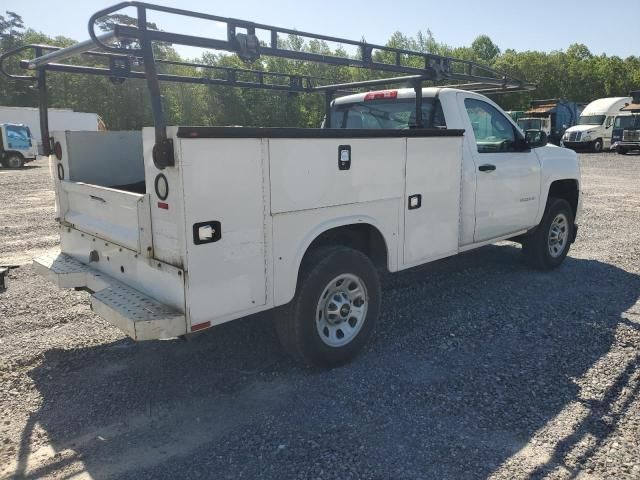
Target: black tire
{"x":296,"y":323}
{"x":621,"y":150}
{"x":13,"y":160}
{"x":596,"y":146}
{"x":536,"y":246}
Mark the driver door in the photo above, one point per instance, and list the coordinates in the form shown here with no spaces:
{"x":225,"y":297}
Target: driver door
{"x":507,"y":177}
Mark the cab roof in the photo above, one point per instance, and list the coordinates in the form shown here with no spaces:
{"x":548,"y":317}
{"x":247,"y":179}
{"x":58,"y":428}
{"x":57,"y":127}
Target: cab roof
{"x":606,"y":105}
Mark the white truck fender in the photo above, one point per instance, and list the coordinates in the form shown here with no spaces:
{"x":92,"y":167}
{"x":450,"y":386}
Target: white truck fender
{"x":557,"y":164}
{"x":286,"y":269}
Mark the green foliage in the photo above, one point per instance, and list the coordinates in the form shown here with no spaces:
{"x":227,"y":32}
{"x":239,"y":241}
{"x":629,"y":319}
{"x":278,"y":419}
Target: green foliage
{"x":484,"y":49}
{"x":575,"y":74}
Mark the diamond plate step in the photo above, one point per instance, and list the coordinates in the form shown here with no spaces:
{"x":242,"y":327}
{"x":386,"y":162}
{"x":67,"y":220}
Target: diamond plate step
{"x":138,"y":315}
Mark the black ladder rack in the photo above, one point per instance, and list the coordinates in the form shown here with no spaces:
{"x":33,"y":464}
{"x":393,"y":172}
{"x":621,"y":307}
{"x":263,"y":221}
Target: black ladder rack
{"x":241,"y":39}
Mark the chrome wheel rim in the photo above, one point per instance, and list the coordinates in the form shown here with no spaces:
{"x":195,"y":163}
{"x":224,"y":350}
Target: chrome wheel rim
{"x":341,"y":310}
{"x":558,"y":235}
{"x":13,"y":162}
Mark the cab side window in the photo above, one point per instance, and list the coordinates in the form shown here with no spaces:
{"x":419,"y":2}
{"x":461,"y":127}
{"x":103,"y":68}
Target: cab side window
{"x":492,"y":131}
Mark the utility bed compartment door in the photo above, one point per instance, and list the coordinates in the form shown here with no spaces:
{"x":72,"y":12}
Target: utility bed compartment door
{"x":305,"y":173}
{"x":113,"y":215}
{"x":432,"y":198}
{"x":223,"y":182}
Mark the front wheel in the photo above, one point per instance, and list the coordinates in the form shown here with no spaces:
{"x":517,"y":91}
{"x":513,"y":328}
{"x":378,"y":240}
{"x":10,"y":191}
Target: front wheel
{"x":14,"y":160}
{"x":548,"y":246}
{"x":596,"y":147}
{"x":335,"y":308}
{"x":621,"y":150}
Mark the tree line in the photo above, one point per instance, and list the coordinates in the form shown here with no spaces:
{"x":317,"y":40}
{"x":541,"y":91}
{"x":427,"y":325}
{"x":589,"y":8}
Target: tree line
{"x":572,"y":74}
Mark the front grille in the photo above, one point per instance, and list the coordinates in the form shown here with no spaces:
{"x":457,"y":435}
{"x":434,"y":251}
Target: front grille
{"x":574,"y":136}
{"x":631,"y":136}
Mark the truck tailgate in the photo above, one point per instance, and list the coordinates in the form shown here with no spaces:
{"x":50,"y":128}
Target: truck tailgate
{"x":118,"y":216}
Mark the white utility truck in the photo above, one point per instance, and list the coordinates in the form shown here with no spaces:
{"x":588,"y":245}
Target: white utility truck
{"x":16,"y":145}
{"x":178,"y":229}
{"x":595,"y":126}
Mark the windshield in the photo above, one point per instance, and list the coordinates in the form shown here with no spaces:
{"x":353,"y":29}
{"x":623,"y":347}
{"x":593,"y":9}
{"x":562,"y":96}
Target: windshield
{"x":18,"y":137}
{"x":627,"y":121}
{"x":386,"y":114}
{"x":530,"y":123}
{"x":591,"y":120}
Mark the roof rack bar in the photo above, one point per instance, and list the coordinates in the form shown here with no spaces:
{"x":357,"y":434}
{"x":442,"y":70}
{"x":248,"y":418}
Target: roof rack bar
{"x":244,"y":24}
{"x":305,"y":85}
{"x":67,"y":52}
{"x":166,"y":77}
{"x":433,"y":72}
{"x":370,"y":83}
{"x":236,"y":70}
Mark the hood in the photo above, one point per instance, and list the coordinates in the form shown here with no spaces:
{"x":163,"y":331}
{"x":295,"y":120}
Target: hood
{"x":582,"y":128}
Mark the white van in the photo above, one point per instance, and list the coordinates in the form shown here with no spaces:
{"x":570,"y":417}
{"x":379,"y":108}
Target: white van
{"x":593,"y":131}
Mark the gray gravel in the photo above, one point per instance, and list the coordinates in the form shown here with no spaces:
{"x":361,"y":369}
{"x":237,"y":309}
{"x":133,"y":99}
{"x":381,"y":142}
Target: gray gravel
{"x":481,"y":368}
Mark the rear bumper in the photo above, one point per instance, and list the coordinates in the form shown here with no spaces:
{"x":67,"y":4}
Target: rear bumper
{"x":136,"y":314}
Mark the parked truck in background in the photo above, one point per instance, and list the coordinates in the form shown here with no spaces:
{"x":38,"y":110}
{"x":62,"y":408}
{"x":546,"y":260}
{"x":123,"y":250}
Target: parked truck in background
{"x":17,"y":145}
{"x":59,"y":119}
{"x":552,"y":117}
{"x":626,"y":127}
{"x":515,"y":114}
{"x":593,"y":131}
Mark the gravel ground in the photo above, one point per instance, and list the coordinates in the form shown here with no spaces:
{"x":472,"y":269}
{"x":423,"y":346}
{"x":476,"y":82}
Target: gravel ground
{"x":481,"y":368}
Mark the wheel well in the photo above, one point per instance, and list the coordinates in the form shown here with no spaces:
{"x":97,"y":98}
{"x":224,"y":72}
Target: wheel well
{"x":361,"y":236}
{"x":567,"y":189}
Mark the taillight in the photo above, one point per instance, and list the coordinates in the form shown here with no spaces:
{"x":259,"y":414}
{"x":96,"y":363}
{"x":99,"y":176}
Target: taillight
{"x":381,"y":95}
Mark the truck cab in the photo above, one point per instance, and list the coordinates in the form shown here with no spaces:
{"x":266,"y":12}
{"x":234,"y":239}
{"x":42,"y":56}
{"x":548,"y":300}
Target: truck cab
{"x":542,"y":124}
{"x":552,"y":117}
{"x":626,"y":127}
{"x":505,"y":182}
{"x":595,"y":125}
{"x":16,"y":145}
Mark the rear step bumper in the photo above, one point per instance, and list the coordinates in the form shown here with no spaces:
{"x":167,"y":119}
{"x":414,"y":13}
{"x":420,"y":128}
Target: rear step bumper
{"x":136,"y":314}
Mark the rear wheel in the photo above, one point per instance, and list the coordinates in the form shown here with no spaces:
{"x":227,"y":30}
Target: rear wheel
{"x":13,"y":160}
{"x":548,"y":246}
{"x":335,"y":308}
{"x":596,"y":147}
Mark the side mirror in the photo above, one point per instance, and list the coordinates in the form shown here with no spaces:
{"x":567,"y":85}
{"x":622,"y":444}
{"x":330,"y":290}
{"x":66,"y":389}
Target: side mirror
{"x":536,"y":138}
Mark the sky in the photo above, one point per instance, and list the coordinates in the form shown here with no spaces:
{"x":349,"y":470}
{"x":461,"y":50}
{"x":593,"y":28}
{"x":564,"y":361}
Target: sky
{"x":520,"y":25}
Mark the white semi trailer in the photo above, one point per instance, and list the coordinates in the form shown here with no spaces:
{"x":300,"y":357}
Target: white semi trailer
{"x":178,"y":229}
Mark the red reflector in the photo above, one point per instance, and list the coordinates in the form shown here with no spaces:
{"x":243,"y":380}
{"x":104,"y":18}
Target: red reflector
{"x":200,"y":326}
{"x":381,"y":95}
{"x":163,"y":205}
